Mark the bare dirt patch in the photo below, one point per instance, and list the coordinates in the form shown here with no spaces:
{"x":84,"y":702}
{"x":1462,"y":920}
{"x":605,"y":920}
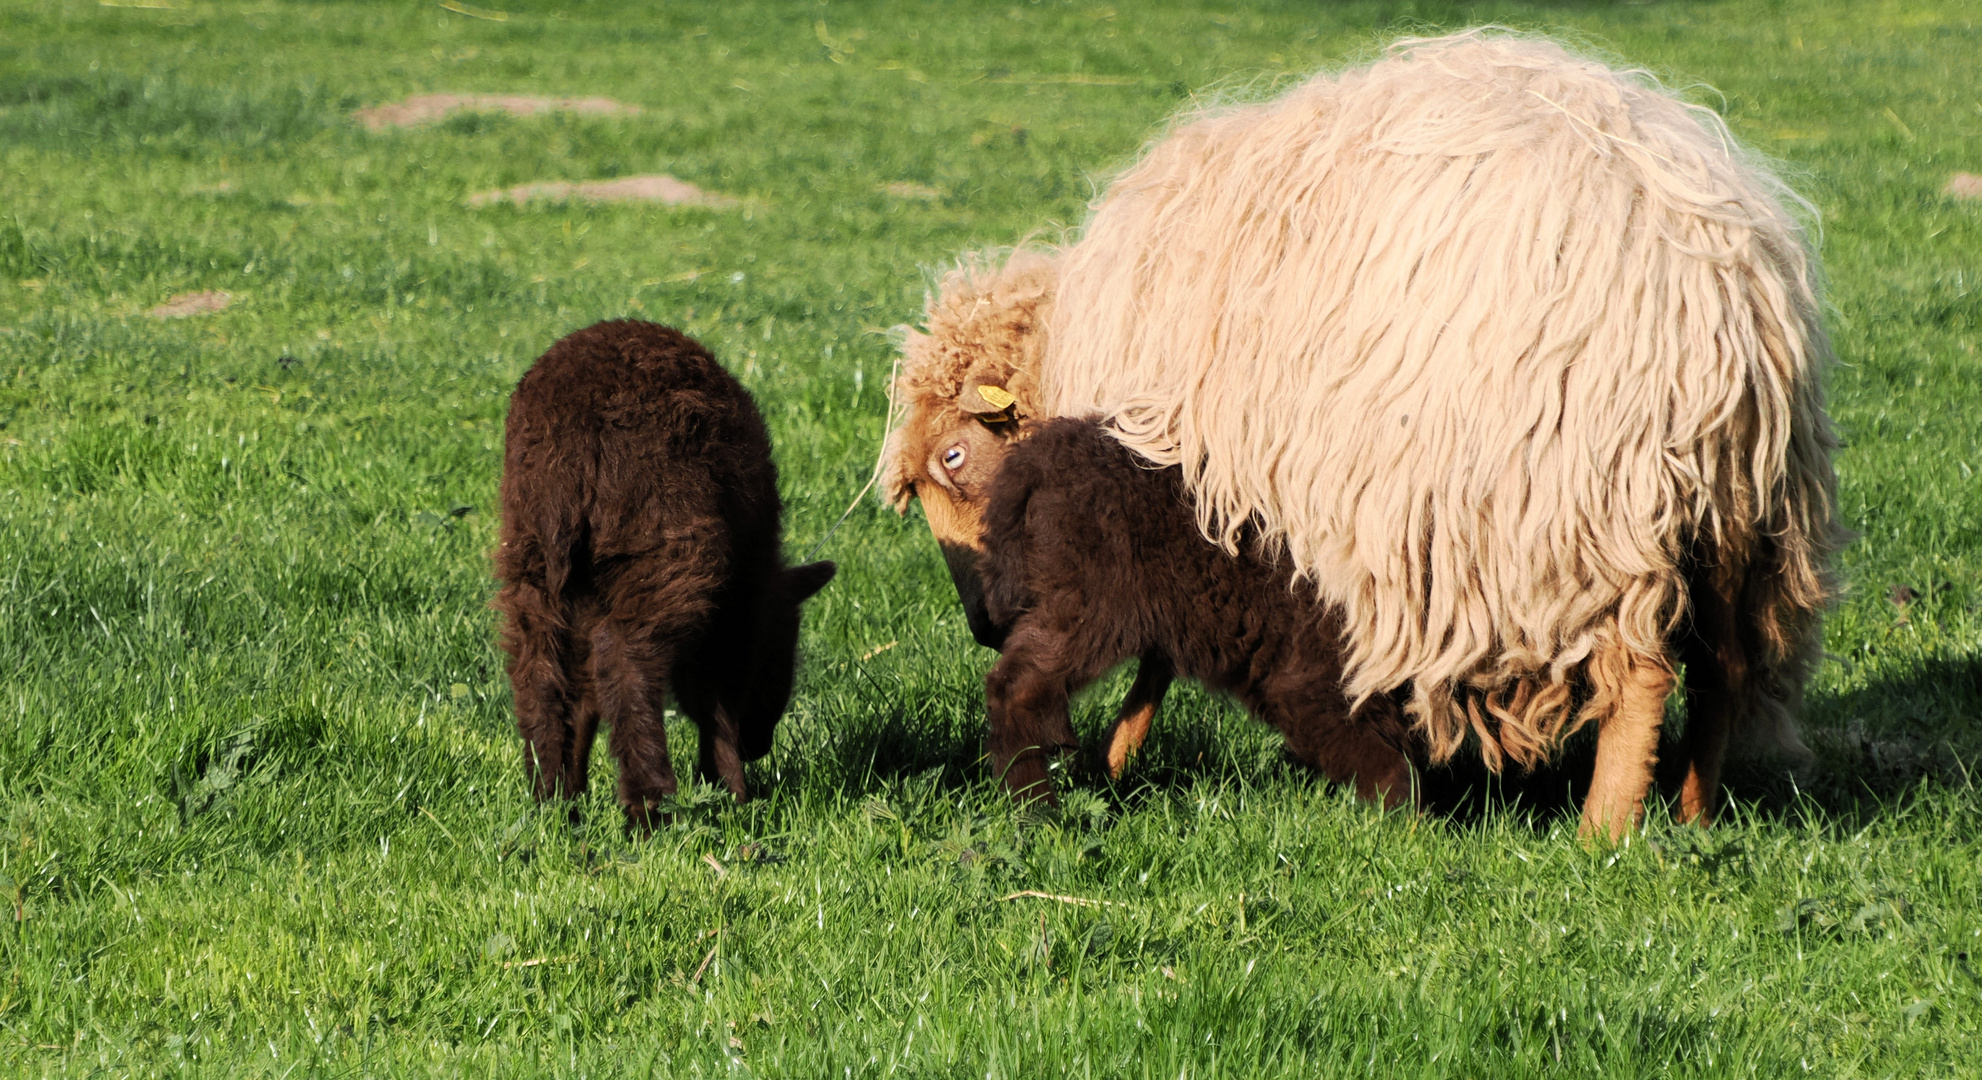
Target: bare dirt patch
{"x":1964,"y":185}
{"x":427,"y":108}
{"x":655,"y":188}
{"x":184,"y":304}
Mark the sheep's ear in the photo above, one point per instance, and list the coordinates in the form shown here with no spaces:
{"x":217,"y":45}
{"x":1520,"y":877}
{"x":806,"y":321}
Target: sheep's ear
{"x":804,"y":581}
{"x":986,"y":399}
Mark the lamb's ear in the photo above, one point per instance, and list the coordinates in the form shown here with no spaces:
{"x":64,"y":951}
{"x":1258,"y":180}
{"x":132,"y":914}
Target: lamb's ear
{"x":803,"y":581}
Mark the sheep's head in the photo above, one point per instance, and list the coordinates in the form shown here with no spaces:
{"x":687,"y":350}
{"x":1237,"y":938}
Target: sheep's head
{"x":948,"y":456}
{"x":970,"y":386}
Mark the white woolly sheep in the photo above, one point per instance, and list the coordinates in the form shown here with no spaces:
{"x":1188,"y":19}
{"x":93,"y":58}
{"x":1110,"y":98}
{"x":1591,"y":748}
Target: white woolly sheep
{"x":1517,"y":355}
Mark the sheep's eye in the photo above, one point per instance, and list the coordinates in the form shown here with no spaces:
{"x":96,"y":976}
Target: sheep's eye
{"x":953,"y":458}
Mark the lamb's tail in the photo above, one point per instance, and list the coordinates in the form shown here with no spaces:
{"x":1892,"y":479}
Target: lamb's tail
{"x":567,"y":549}
{"x":545,"y":555}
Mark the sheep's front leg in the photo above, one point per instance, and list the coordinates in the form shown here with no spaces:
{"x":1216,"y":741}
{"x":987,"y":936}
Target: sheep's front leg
{"x":578,"y":758}
{"x":1627,"y":746}
{"x":716,"y":758}
{"x":1025,"y":699}
{"x":1153,"y":677}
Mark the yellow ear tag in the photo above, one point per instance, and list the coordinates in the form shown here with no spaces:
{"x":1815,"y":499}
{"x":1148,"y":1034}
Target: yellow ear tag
{"x":997,"y":396}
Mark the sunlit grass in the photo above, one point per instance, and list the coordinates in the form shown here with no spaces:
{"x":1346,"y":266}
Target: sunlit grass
{"x":261,"y":804}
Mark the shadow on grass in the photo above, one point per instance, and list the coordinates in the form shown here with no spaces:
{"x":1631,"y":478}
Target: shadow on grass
{"x":1875,"y":750}
{"x":1895,"y":737}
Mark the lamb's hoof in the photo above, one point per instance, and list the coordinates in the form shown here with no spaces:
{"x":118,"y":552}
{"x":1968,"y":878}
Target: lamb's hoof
{"x":644,"y":817}
{"x":1038,"y":792}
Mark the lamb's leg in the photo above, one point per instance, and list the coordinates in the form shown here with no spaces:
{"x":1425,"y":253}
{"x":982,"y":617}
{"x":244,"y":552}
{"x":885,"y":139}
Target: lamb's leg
{"x":627,"y":673}
{"x":716,"y":758}
{"x":578,"y":761}
{"x":1153,"y":676}
{"x":1627,"y":741}
{"x":1717,"y":686}
{"x":539,"y":680}
{"x":1025,"y":698}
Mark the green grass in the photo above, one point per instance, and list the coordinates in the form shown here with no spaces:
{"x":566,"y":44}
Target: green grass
{"x":262,"y":808}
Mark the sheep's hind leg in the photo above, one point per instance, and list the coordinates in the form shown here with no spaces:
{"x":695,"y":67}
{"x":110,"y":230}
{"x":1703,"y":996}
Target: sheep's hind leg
{"x":630,"y":691}
{"x":1627,"y":742}
{"x":1717,"y":688}
{"x":1025,"y":698}
{"x":1125,"y":739}
{"x":539,"y":678}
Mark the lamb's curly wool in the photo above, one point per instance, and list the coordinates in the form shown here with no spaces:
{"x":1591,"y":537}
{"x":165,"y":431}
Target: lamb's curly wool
{"x":639,"y":560}
{"x":1090,"y":558}
{"x":1502,"y":344}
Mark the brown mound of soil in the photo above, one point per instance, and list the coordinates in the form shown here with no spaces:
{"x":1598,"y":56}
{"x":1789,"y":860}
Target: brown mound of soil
{"x":429,"y":107}
{"x":656,"y":188}
{"x":1964,"y":185}
{"x":191,"y":303}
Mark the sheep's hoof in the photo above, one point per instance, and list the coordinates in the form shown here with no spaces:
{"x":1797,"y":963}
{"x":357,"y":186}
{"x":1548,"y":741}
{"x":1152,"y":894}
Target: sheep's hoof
{"x":1606,"y":829}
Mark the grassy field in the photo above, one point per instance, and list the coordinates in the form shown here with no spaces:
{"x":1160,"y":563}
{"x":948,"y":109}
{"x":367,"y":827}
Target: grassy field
{"x":261,"y":804}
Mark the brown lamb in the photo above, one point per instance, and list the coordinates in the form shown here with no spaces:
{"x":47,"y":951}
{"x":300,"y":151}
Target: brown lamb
{"x":640,"y":555}
{"x":1091,"y":557}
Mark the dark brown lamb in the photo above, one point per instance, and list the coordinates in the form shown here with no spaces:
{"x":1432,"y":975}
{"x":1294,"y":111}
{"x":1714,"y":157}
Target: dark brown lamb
{"x":640,"y":555}
{"x":1092,"y":557}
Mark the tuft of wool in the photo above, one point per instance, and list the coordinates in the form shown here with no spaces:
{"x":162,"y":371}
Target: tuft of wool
{"x":987,"y":320}
{"x":1492,"y":339}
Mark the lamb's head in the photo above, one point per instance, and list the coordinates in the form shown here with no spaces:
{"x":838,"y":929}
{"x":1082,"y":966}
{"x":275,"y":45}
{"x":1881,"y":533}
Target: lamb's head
{"x":970,"y":385}
{"x":759,"y":699}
